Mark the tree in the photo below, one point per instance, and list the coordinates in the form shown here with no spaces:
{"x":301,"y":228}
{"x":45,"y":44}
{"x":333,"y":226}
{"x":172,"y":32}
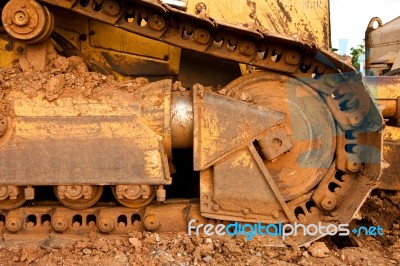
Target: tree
{"x":355,"y":55}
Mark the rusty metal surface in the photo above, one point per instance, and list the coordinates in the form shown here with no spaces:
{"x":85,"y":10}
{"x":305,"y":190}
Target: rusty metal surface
{"x":27,"y":21}
{"x":113,"y":141}
{"x":386,"y":91}
{"x":182,"y":119}
{"x":222,"y":125}
{"x":308,"y":121}
{"x":391,"y":149}
{"x":381,"y":44}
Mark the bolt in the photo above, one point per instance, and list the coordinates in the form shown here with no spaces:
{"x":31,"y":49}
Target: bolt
{"x":59,"y":224}
{"x":200,"y":7}
{"x":246,"y":211}
{"x":354,"y":167}
{"x":151,"y":222}
{"x":105,"y":225}
{"x":21,"y":18}
{"x":14,"y":224}
{"x":156,"y":22}
{"x":8,"y":46}
{"x":332,"y":79}
{"x":328,"y":203}
{"x":247,"y":48}
{"x":215,"y":207}
{"x":111,"y":8}
{"x":355,"y":119}
{"x":292,"y":57}
{"x":202,"y":36}
{"x":161,"y":193}
{"x":275,"y":214}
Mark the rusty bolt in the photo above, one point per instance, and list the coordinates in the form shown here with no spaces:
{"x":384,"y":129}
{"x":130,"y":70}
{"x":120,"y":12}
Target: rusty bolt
{"x":111,"y":8}
{"x":355,"y":119}
{"x":246,"y":211}
{"x":292,"y":57}
{"x":8,"y":46}
{"x":328,"y":203}
{"x":202,"y":36}
{"x":200,"y":7}
{"x":156,"y":22}
{"x":215,"y":207}
{"x":14,"y":224}
{"x":332,"y":79}
{"x":60,"y":224}
{"x":29,"y":193}
{"x":151,"y":222}
{"x":21,"y":18}
{"x":247,"y":48}
{"x":161,"y":193}
{"x":105,"y":225}
{"x":353,"y":167}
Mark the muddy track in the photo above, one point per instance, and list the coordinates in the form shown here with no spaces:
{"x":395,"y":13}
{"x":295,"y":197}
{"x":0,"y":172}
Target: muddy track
{"x":382,"y":208}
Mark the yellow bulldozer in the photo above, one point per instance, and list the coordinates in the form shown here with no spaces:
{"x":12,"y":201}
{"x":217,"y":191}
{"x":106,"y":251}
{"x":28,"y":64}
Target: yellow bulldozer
{"x":121,"y":115}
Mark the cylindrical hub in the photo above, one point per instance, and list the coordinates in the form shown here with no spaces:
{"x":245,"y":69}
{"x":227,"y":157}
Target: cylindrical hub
{"x":182,"y":119}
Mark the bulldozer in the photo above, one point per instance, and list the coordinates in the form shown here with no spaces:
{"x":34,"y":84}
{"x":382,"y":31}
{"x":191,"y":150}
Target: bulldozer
{"x":122,"y":115}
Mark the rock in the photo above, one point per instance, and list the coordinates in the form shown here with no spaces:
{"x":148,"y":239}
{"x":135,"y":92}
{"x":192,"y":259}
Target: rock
{"x":319,"y":250}
{"x":158,"y":238}
{"x":232,"y":248}
{"x":135,"y":242}
{"x":305,"y":254}
{"x":87,"y":251}
{"x":61,"y":63}
{"x":197,"y":240}
{"x":205,"y":249}
{"x":120,"y":258}
{"x":207,"y":259}
{"x":208,"y":240}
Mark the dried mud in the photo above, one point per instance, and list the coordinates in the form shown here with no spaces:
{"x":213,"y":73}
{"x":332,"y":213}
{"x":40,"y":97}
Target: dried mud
{"x":62,"y":77}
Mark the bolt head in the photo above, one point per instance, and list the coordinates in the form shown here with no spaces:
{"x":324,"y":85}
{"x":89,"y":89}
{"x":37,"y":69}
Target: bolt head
{"x":105,"y":225}
{"x":59,"y":224}
{"x":14,"y":224}
{"x":151,"y":222}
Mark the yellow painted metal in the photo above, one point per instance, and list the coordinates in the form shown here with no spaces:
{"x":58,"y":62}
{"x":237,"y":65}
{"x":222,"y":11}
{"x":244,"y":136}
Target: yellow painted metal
{"x":7,"y":57}
{"x":309,"y":18}
{"x":391,"y":149}
{"x":99,"y":41}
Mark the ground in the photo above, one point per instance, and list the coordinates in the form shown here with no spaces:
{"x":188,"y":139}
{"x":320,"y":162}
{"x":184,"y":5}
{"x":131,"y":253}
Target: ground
{"x":382,"y":208}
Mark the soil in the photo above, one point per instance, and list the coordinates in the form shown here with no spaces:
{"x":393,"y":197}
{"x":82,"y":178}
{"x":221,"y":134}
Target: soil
{"x":63,"y":77}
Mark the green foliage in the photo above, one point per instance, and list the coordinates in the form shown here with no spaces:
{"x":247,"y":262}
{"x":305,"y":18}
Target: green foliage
{"x":355,"y":53}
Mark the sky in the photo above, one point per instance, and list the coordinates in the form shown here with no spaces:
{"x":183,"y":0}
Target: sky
{"x":350,"y":18}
